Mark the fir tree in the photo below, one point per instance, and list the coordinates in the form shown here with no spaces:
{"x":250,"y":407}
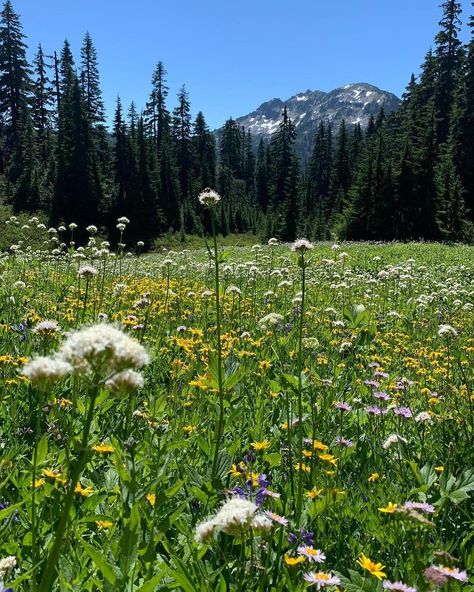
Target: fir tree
{"x":89,"y":76}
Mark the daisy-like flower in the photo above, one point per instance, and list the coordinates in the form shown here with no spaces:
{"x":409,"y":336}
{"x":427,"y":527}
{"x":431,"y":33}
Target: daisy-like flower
{"x":390,"y":509}
{"x":321,"y":579}
{"x":439,"y":574}
{"x":103,"y":524}
{"x":103,"y":448}
{"x":209,"y":198}
{"x":397,"y":586}
{"x":373,"y":568}
{"x":314,"y":555}
{"x":420,"y":507}
{"x":292,"y":561}
{"x":260,"y":446}
{"x":373,"y":477}
{"x":447,"y":331}
{"x":46,"y":328}
{"x":276,"y":518}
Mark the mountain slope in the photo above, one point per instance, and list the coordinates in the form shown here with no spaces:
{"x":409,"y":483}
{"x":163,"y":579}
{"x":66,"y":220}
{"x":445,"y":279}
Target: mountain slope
{"x":353,"y":102}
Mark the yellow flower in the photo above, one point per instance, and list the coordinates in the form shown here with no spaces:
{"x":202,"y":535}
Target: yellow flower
{"x":189,"y":429}
{"x":39,"y":483}
{"x":84,"y":491}
{"x":320,"y":446}
{"x":151,"y":497}
{"x":313,"y":493}
{"x":373,"y":568}
{"x":260,"y":446}
{"x":328,"y":458}
{"x":302,"y":467}
{"x":373,"y":477}
{"x":390,"y":509}
{"x":103,"y":524}
{"x":264,"y":365}
{"x":293,"y":560}
{"x":439,"y":469}
{"x":237,"y":470}
{"x":103,"y":448}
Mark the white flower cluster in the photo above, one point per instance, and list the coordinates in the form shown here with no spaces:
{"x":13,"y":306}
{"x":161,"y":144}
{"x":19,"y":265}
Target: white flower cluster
{"x":270,"y":320}
{"x":99,"y":350}
{"x":6,"y":565}
{"x":235,"y":517}
{"x":302,"y":245}
{"x":209,"y":198}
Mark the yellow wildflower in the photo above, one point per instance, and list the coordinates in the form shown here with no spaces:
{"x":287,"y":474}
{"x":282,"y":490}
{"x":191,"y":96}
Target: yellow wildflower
{"x":260,"y":446}
{"x":373,"y":568}
{"x":390,"y":509}
{"x":151,"y":498}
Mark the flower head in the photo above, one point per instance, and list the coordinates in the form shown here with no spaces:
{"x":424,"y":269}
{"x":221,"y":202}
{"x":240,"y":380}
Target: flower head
{"x":321,"y":579}
{"x":209,"y":198}
{"x":374,"y":569}
{"x":302,"y":245}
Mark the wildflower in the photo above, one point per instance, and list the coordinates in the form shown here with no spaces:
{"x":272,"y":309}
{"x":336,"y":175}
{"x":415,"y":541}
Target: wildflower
{"x":238,"y":470}
{"x":272,"y":241}
{"x":235,"y":515}
{"x":204,"y":531}
{"x":313,"y":493}
{"x":103,"y":524}
{"x":151,"y":498}
{"x":328,"y":458}
{"x":447,"y":331}
{"x":420,"y":507}
{"x":321,"y":579}
{"x":38,"y":483}
{"x":126,"y":382}
{"x":270,"y":320}
{"x":103,"y":448}
{"x":439,"y":469}
{"x":261,"y":524}
{"x":320,"y":446}
{"x":423,"y":416}
{"x":276,"y":518}
{"x":43,"y":371}
{"x":373,"y":477}
{"x":84,"y":491}
{"x":91,"y":229}
{"x":302,"y":245}
{"x":397,"y":586}
{"x":341,"y":441}
{"x":403,"y":412}
{"x":260,"y":446}
{"x":103,"y":347}
{"x":314,"y":555}
{"x":342,"y":406}
{"x":451,"y":572}
{"x":393,"y":439}
{"x":302,"y":467}
{"x":292,"y":561}
{"x":87,"y":271}
{"x":209,"y":198}
{"x":6,"y":565}
{"x":390,"y":509}
{"x":374,"y":569}
{"x":46,"y":328}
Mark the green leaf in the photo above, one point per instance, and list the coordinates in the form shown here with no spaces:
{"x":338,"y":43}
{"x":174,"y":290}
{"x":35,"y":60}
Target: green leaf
{"x":110,"y":572}
{"x":42,"y":451}
{"x":151,"y":584}
{"x":129,"y":541}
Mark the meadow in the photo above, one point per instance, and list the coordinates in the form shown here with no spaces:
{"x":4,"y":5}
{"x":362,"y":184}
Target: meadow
{"x":272,"y":418}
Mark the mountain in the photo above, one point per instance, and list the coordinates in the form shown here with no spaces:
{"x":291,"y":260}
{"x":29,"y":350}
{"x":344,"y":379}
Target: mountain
{"x":353,"y":102}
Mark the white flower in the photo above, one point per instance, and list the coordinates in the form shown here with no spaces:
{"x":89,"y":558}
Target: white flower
{"x":447,"y":331}
{"x":272,"y":241}
{"x":423,"y":416}
{"x":126,"y":382}
{"x":87,"y":271}
{"x":209,"y":197}
{"x":46,"y":327}
{"x":43,"y":371}
{"x":72,"y":226}
{"x":261,"y":524}
{"x":103,"y":347}
{"x":270,"y":320}
{"x":123,"y":220}
{"x":302,"y":245}
{"x":235,"y":516}
{"x":204,"y":531}
{"x":393,"y":439}
{"x":6,"y":565}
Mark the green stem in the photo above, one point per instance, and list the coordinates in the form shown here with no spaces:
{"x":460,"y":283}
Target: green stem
{"x":299,"y":501}
{"x":49,"y":574}
{"x":220,"y":421}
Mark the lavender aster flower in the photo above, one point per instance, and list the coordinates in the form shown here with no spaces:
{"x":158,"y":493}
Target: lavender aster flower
{"x":398,"y":586}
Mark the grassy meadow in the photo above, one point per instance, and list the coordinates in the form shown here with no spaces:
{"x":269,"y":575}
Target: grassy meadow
{"x":236,"y":419}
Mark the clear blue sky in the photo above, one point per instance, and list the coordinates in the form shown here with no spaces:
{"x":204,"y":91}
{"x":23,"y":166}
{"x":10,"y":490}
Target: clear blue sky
{"x":233,"y":55}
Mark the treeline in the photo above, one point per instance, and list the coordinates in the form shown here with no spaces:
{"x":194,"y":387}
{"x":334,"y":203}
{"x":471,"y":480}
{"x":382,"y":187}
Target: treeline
{"x":406,"y":176}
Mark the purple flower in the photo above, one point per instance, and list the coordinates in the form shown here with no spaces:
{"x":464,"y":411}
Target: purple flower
{"x":381,"y":395}
{"x":378,"y":374}
{"x":344,"y":442}
{"x":374,"y":410}
{"x":342,"y":406}
{"x":321,"y":579}
{"x":420,"y":506}
{"x":403,"y":412}
{"x":372,"y":383}
{"x":398,"y":586}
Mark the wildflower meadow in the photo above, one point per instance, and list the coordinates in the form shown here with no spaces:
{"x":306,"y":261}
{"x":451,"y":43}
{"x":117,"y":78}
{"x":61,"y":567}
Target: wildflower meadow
{"x":276,"y":418}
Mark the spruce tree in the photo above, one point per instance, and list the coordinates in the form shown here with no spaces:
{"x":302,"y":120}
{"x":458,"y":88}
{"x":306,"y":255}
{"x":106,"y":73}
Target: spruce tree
{"x":42,"y":111}
{"x":90,"y":84}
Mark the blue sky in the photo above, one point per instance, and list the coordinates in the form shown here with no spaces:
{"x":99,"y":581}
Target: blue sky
{"x":233,"y":55}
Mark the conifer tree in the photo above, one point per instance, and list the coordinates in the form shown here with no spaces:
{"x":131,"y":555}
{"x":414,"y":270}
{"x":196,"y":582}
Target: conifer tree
{"x":90,"y":84}
{"x":42,"y":105}
{"x":15,"y":84}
